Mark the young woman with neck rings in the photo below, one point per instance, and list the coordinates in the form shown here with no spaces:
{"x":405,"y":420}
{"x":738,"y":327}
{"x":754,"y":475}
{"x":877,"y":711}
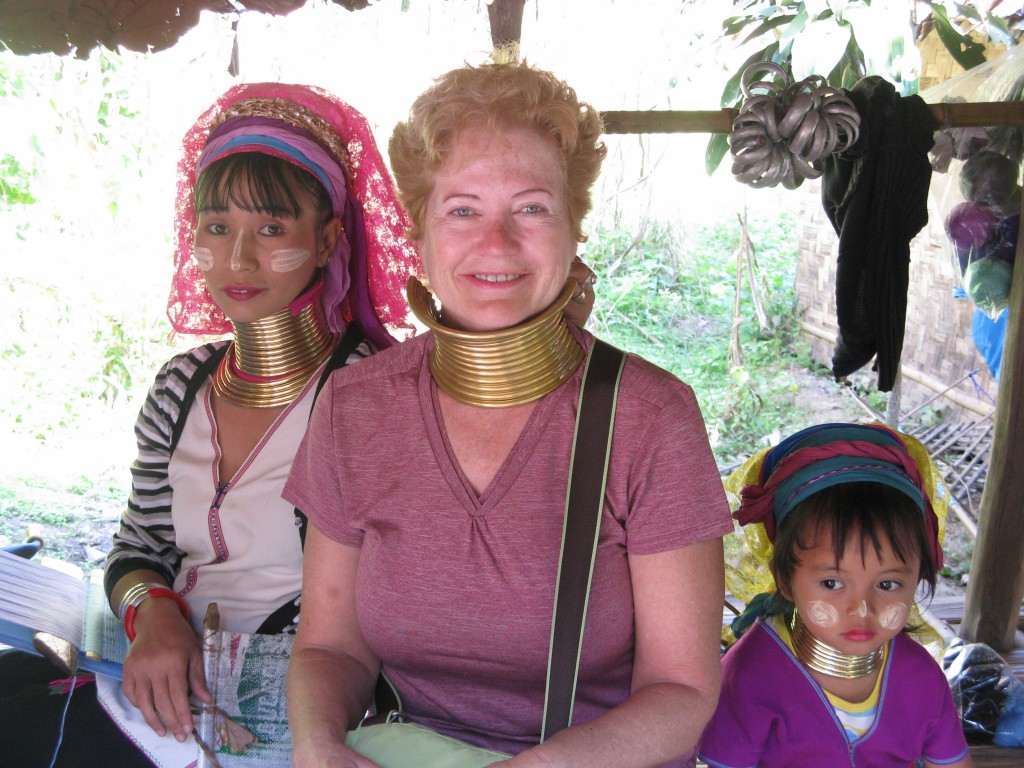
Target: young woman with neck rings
{"x":291,"y":239}
{"x":284,"y":239}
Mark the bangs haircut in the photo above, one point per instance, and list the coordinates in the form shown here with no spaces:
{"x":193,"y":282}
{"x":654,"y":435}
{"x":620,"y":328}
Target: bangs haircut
{"x":260,"y":183}
{"x":864,"y":513}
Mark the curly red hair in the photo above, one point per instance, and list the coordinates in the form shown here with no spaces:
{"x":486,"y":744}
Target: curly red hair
{"x":498,"y":95}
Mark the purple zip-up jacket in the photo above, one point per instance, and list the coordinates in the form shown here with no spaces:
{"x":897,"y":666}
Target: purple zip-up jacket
{"x":772,"y":713}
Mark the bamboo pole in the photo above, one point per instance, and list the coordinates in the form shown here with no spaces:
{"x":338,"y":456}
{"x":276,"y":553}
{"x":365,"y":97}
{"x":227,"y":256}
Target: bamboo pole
{"x":720,"y":120}
{"x":994,"y":593}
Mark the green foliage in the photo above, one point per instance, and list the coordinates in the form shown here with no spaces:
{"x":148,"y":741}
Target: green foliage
{"x":669,"y":296}
{"x":62,"y":517}
{"x":82,"y":288}
{"x":114,"y":376}
{"x":718,"y":146}
{"x":964,"y":51}
{"x":71,"y":359}
{"x":115,"y":104}
{"x":14,"y":177}
{"x":14,"y":183}
{"x":957,"y":556}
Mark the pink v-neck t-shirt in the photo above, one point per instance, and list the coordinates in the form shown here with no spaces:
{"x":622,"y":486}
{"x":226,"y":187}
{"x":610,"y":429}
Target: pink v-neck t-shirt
{"x":455,"y":591}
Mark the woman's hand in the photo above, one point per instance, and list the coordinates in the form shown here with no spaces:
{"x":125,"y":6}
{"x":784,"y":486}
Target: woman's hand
{"x":164,"y":663}
{"x":578,"y":310}
{"x":331,"y":756}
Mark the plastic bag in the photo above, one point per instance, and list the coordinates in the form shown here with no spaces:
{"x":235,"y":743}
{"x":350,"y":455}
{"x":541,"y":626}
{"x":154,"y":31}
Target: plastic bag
{"x":987,"y":282}
{"x":980,"y":182}
{"x":989,"y":697}
{"x":989,"y":336}
{"x":983,"y":229}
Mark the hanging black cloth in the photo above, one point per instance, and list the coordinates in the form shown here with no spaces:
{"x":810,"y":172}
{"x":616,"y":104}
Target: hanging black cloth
{"x":876,"y":194}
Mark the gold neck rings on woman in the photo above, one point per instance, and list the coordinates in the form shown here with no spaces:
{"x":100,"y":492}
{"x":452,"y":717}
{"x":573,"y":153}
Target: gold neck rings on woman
{"x":497,"y":369}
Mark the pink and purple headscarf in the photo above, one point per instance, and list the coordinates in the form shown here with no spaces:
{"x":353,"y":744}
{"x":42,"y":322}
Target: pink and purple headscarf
{"x":312,"y":129}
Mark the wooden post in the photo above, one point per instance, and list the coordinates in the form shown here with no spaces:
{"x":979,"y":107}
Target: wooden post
{"x":996,"y":587}
{"x":506,"y":17}
{"x":720,"y":120}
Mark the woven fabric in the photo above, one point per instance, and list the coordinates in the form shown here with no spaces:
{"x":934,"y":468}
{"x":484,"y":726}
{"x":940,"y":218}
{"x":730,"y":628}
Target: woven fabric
{"x":829,"y":454}
{"x":876,"y":196}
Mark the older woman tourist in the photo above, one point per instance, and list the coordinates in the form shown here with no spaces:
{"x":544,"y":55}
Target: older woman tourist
{"x":436,"y":494}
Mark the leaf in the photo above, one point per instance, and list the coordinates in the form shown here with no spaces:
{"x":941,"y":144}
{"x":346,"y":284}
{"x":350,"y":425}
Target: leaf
{"x":735,"y":24}
{"x":768,"y":25}
{"x":732,"y":93}
{"x":819,"y":48}
{"x":718,"y":145}
{"x":883,"y":39}
{"x":790,"y":32}
{"x":849,"y":70}
{"x":999,"y":31}
{"x":968,"y":11}
{"x":815,"y":8}
{"x":964,"y":51}
{"x":839,"y":9}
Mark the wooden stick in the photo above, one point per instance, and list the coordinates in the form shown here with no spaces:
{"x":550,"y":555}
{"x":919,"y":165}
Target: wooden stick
{"x":720,"y":120}
{"x":994,"y":593}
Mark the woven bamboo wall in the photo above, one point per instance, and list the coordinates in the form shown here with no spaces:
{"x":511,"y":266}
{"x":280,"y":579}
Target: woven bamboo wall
{"x":938,"y":350}
{"x":937,"y":66}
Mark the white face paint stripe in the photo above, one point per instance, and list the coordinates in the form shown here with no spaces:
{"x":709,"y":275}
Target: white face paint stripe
{"x":204,"y":258}
{"x":862,"y":610}
{"x":236,"y":252}
{"x":894,"y":616}
{"x":821,"y":614}
{"x":289,"y":259}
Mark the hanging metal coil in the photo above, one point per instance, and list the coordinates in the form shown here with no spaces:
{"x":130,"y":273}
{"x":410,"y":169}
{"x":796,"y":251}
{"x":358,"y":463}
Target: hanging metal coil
{"x":784,"y":131}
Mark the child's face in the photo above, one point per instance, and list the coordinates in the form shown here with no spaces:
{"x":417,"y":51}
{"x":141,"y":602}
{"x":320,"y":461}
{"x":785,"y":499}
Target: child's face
{"x":858,"y":604}
{"x":255,"y":264}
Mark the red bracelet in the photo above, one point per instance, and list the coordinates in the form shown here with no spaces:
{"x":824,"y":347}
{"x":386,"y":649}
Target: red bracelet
{"x":129,"y":614}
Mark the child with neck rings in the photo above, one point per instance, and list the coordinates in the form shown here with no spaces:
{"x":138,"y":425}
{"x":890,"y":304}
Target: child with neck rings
{"x":823,"y":672}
